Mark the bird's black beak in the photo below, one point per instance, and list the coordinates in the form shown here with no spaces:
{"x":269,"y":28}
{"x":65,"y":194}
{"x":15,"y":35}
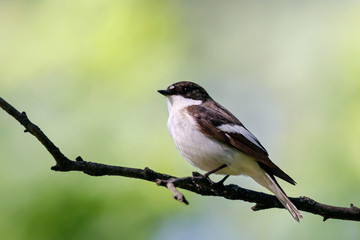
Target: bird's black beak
{"x":165,"y":92}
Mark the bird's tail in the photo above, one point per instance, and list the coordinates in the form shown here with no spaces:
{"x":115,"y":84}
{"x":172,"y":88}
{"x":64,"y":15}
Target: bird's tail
{"x":271,"y":184}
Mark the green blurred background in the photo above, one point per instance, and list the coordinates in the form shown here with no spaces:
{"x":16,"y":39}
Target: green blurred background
{"x":87,"y":73}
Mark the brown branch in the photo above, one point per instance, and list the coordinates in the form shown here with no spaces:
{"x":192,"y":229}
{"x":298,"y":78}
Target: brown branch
{"x":196,"y":183}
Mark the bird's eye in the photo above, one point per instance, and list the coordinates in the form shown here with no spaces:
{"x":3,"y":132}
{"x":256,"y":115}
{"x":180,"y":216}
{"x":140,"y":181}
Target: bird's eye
{"x":185,"y":89}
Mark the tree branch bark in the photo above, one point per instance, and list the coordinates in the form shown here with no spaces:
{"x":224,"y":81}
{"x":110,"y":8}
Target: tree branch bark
{"x":196,"y":183}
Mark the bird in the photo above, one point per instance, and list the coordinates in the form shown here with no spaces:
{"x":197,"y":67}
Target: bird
{"x":212,"y":139}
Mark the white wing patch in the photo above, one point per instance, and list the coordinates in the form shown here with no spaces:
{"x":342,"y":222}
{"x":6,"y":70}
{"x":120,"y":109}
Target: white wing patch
{"x":231,"y":128}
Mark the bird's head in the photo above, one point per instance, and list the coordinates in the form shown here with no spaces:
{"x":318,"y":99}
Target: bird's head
{"x":185,"y":93}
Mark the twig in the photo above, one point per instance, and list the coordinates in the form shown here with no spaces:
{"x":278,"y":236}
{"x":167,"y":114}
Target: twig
{"x":170,"y":184}
{"x":194,"y":184}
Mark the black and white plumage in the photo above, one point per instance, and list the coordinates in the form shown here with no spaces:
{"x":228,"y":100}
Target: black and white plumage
{"x":209,"y":136}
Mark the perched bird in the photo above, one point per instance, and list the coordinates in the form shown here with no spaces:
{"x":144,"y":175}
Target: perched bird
{"x":211,"y":138}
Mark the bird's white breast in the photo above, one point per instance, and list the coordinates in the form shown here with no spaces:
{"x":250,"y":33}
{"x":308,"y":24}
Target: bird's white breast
{"x":201,"y":151}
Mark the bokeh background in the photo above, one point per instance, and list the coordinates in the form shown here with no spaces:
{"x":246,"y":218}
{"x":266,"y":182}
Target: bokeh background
{"x":87,"y":73}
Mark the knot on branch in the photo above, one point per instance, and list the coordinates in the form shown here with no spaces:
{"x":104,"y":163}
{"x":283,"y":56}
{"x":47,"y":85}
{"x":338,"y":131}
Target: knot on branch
{"x":64,"y":165}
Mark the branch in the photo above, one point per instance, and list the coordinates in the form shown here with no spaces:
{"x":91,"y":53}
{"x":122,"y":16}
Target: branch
{"x":196,"y":183}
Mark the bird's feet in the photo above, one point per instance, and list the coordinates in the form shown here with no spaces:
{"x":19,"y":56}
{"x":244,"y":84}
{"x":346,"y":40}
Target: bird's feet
{"x":205,"y":177}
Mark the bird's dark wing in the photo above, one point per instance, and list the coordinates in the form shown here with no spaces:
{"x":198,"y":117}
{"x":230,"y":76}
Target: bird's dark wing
{"x":226,"y":128}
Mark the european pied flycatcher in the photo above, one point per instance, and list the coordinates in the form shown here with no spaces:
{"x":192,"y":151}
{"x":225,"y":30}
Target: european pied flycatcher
{"x":214,"y":140}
